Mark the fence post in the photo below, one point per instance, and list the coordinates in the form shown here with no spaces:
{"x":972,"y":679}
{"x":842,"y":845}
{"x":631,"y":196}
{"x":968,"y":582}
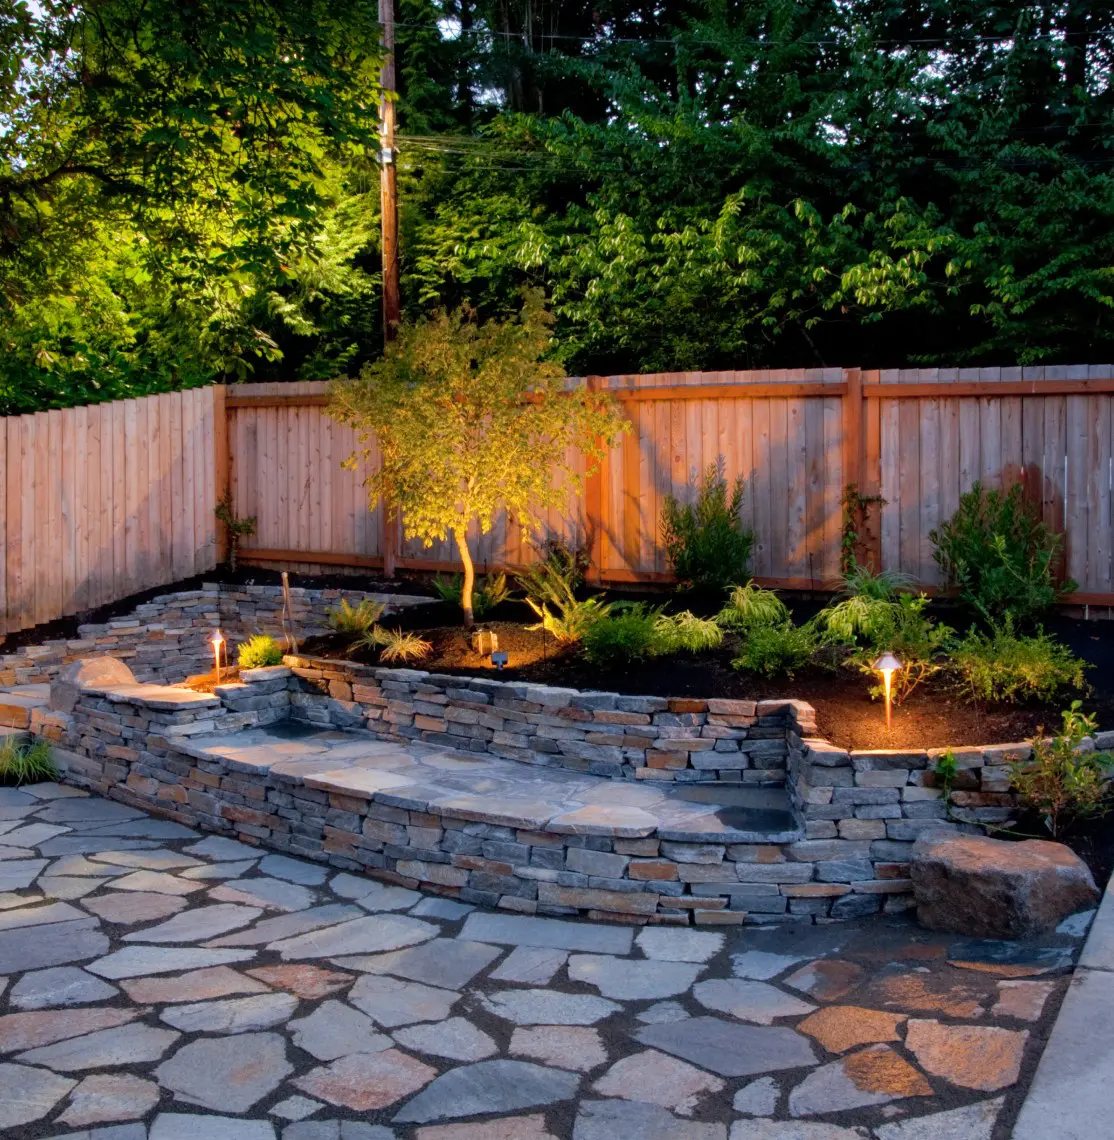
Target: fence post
{"x":593,"y":508}
{"x":222,"y":463}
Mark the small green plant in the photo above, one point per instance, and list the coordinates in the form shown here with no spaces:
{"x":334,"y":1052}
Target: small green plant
{"x":395,"y":645}
{"x":259,"y":651}
{"x":705,"y":541}
{"x":26,"y":763}
{"x":685,"y":631}
{"x":1003,"y":665}
{"x":550,"y":587}
{"x":775,"y":649}
{"x":235,"y":527}
{"x":1002,"y":556}
{"x":354,"y":621}
{"x":626,"y":635}
{"x":749,"y":607}
{"x":1063,"y":782}
{"x":489,"y":593}
{"x":855,"y":507}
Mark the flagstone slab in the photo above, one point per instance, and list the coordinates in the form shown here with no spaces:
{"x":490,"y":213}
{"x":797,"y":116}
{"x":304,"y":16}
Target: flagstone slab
{"x":39,"y":915}
{"x":20,"y":1031}
{"x":730,"y":1049}
{"x":612,"y":1119}
{"x":555,"y":933}
{"x":68,"y":942}
{"x":446,"y":962}
{"x":232,"y":1015}
{"x":657,"y":1078}
{"x":296,"y":1108}
{"x":32,"y":834}
{"x":793,"y":1130}
{"x":195,"y":925}
{"x":60,"y":887}
{"x":86,"y":844}
{"x":760,"y":965}
{"x":335,"y":1030}
{"x":531,"y":965}
{"x":19,"y":874}
{"x":548,"y":1007}
{"x":872,"y":1076}
{"x":209,"y":871}
{"x":309,"y":982}
{"x":156,"y":860}
{"x":28,"y":1094}
{"x":633,"y":980}
{"x":489,"y":1087}
{"x":130,"y":909}
{"x":430,"y":907}
{"x":456,"y":1038}
{"x":392,"y":1003}
{"x":277,"y":894}
{"x":146,"y":828}
{"x":79,"y":866}
{"x":370,"y":935}
{"x":759,"y":1098}
{"x":828,"y":979}
{"x":224,"y":850}
{"x":749,"y":1001}
{"x":198,"y":985}
{"x":980,"y":1057}
{"x":91,"y":809}
{"x":138,"y":961}
{"x":293,"y":870}
{"x":290,"y":925}
{"x":158,"y":882}
{"x":58,"y":985}
{"x":189,"y":1126}
{"x":925,"y":993}
{"x":106,"y":1049}
{"x":226,"y":1074}
{"x":337,"y":1130}
{"x":573,"y":1047}
{"x":105,"y":1097}
{"x":842,"y":1027}
{"x":7,"y":853}
{"x":508,"y":1128}
{"x":1022,"y":1000}
{"x":663,"y":1012}
{"x":972,"y":1122}
{"x":366,"y":1081}
{"x":672,"y":945}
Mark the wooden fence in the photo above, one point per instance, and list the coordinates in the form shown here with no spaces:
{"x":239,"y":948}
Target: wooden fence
{"x":101,"y":502}
{"x":915,"y":437}
{"x":105,"y":501}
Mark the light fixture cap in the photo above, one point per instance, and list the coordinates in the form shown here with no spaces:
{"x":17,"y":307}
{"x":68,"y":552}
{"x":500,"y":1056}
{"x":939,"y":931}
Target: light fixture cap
{"x":887,"y":663}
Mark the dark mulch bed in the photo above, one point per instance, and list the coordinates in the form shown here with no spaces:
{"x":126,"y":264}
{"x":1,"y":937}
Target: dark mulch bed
{"x":936,"y":715}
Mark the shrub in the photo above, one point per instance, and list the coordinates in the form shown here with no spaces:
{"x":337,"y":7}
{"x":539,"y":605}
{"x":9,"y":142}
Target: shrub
{"x":749,"y":607}
{"x":1062,"y":782}
{"x":774,"y":649}
{"x":685,"y":631}
{"x":1004,"y":666}
{"x":394,"y":645}
{"x":26,"y":763}
{"x":356,"y":620}
{"x":626,"y":635}
{"x":706,"y":542}
{"x":489,"y":593}
{"x":999,"y":552}
{"x":258,"y":651}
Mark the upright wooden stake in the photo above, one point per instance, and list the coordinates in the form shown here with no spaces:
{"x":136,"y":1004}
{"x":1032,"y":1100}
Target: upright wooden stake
{"x":388,"y":197}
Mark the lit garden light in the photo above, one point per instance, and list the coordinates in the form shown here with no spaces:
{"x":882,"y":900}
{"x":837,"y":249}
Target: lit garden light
{"x":887,"y":665}
{"x":217,"y":641}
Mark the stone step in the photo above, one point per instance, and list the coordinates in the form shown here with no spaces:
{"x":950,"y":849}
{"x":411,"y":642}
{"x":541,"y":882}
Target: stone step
{"x":18,"y":701}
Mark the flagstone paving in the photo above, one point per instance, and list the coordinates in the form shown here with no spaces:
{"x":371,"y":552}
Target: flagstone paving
{"x":160,"y":984}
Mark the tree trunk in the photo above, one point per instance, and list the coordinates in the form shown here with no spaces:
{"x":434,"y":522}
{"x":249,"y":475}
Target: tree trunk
{"x":459,"y":534}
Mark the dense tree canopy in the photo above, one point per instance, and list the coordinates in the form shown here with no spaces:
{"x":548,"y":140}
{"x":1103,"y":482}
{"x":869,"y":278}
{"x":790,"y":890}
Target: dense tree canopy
{"x":188,"y":190}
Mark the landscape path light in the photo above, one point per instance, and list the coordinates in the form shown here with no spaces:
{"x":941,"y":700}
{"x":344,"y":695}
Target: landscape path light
{"x":217,"y":641}
{"x":887,"y":665}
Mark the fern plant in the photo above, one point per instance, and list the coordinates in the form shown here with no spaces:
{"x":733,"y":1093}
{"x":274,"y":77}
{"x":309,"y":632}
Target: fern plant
{"x":355,"y":620}
{"x":550,"y":592}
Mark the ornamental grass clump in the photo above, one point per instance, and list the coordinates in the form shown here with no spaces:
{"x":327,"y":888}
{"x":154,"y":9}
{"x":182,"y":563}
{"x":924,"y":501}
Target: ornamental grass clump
{"x":354,"y":621}
{"x":395,"y":646}
{"x":26,"y":763}
{"x":751,"y":607}
{"x":1065,"y":781}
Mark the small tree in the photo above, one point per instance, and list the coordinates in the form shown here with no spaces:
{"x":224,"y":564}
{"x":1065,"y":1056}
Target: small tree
{"x":465,"y":418}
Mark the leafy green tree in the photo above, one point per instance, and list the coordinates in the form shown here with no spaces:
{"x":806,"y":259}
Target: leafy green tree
{"x":469,"y":417}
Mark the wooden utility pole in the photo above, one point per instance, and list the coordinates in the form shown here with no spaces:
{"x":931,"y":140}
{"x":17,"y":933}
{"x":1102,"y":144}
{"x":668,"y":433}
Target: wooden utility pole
{"x":388,"y":208}
{"x":388,"y":179}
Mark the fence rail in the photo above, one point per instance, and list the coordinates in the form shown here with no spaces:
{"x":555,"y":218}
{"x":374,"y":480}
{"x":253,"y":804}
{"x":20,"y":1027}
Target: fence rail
{"x":104,"y":501}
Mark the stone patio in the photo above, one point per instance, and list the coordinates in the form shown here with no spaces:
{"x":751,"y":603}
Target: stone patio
{"x":157,"y":984}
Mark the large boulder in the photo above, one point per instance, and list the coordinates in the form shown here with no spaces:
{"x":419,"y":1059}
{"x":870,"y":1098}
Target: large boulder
{"x":993,"y":888}
{"x":87,"y":673}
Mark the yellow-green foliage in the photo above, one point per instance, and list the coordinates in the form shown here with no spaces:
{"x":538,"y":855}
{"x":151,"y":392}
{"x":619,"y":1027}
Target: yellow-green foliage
{"x":258,"y":651}
{"x":354,"y":620}
{"x":26,"y":763}
{"x":394,"y":645}
{"x":1004,"y":666}
{"x":750,"y":606}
